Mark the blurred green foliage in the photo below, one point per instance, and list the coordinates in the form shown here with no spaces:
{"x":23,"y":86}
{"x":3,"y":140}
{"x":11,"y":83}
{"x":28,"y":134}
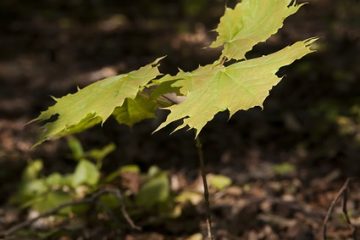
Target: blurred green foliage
{"x":154,"y":197}
{"x":219,"y":182}
{"x":42,"y":193}
{"x":283,"y":169}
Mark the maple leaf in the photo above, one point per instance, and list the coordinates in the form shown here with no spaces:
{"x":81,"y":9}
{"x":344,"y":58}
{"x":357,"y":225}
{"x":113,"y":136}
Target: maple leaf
{"x":135,"y":110}
{"x":184,"y":81}
{"x":251,"y":22}
{"x":95,"y":103}
{"x":239,"y":86}
{"x":209,"y":89}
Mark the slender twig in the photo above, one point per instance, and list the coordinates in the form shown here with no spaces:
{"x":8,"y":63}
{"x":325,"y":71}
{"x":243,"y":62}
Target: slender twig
{"x":51,"y":212}
{"x":346,"y":214}
{"x":332,"y":206}
{"x":342,"y":193}
{"x":199,"y":148}
{"x":206,"y":189}
{"x":125,"y":214}
{"x":88,"y":200}
{"x":344,"y":205}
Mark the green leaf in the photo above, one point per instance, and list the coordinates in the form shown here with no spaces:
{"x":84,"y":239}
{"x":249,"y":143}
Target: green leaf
{"x":189,"y":196}
{"x":284,"y":169}
{"x":32,"y":171}
{"x":76,"y":148}
{"x":99,"y":154}
{"x":219,"y":181}
{"x":239,"y":86}
{"x":129,"y":169}
{"x":154,"y":191}
{"x":85,"y":173}
{"x":94,"y":103}
{"x":124,"y":169}
{"x":251,"y":22}
{"x":30,"y":190}
{"x":160,"y":88}
{"x":186,"y":81}
{"x":135,"y":110}
{"x":56,"y":180}
{"x":110,"y":201}
{"x":50,"y":201}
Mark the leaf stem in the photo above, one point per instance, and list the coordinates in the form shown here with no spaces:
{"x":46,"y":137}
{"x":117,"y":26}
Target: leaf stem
{"x":206,"y":189}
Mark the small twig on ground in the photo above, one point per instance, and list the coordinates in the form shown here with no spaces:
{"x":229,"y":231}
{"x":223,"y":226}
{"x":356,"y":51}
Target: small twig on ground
{"x":342,"y":193}
{"x":88,"y":200}
{"x":206,"y":189}
{"x":125,"y":214}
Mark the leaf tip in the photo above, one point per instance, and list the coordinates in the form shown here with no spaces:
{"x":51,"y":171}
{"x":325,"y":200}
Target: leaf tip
{"x":32,"y":121}
{"x":310,"y":43}
{"x":54,"y":98}
{"x":157,"y":61}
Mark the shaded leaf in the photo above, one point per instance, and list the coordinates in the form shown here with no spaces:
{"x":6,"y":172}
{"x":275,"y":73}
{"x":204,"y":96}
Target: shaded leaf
{"x":155,"y":191}
{"x":50,"y":201}
{"x":76,"y":148}
{"x":32,"y":171}
{"x":134,"y":169}
{"x":85,"y":173}
{"x":29,"y":191}
{"x":99,"y":154}
{"x":56,"y":180}
{"x":135,"y":110}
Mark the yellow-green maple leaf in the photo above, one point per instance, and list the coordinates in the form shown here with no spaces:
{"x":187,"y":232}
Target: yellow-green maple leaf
{"x":94,"y":103}
{"x":240,"y":86}
{"x":184,"y":80}
{"x":251,"y":22}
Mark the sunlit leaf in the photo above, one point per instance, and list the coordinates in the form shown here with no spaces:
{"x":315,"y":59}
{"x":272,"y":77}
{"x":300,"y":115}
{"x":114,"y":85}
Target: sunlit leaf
{"x":189,"y":196}
{"x":94,"y":103}
{"x":219,"y":181}
{"x":239,"y":86}
{"x":251,"y":22}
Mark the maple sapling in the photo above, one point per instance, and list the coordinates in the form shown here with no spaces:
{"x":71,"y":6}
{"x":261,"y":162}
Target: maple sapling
{"x":231,"y":83}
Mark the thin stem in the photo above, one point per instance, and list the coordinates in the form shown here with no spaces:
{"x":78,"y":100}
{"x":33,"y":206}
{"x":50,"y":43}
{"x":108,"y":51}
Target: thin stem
{"x":206,"y":189}
{"x":126,"y":215}
{"x":342,"y":193}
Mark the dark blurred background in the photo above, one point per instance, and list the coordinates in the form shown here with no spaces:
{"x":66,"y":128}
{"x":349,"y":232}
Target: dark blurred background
{"x":311,"y":119}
